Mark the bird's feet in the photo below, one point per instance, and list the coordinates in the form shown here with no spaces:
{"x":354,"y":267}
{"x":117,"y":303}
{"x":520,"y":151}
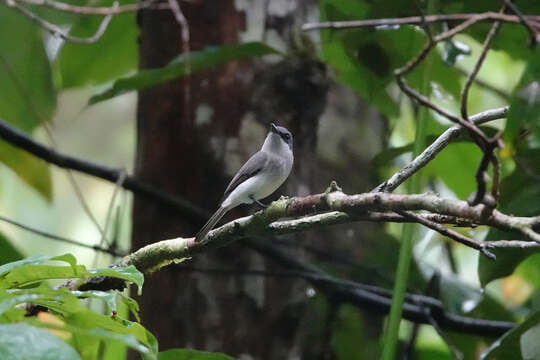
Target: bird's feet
{"x":258,"y":202}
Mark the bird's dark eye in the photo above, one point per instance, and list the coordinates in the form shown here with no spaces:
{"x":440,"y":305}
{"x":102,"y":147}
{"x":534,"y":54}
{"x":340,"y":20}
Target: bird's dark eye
{"x":287,"y":136}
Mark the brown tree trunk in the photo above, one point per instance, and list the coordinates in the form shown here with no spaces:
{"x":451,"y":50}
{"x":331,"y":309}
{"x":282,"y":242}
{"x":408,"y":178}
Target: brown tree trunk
{"x":232,"y":314}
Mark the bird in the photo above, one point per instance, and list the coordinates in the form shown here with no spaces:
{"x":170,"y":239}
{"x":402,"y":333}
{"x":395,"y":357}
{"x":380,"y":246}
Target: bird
{"x":258,"y":178}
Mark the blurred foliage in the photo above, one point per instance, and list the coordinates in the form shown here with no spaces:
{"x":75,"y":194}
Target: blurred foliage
{"x":115,"y":53}
{"x":69,"y":329}
{"x":177,"y":68}
{"x":28,"y":97}
{"x":33,"y":71}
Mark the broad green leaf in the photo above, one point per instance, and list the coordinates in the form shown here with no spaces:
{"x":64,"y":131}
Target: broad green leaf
{"x":30,"y":274}
{"x":189,"y":354}
{"x":114,"y":350}
{"x":131,"y":305}
{"x":35,"y":260}
{"x":28,"y":97}
{"x":136,"y":335}
{"x":8,"y":252}
{"x":86,"y":337}
{"x":199,"y":60}
{"x":512,"y":344}
{"x":22,"y":341}
{"x":129,"y":273}
{"x":30,"y":270}
{"x":109,"y":298}
{"x":60,"y":300}
{"x":33,"y":171}
{"x":113,"y":55}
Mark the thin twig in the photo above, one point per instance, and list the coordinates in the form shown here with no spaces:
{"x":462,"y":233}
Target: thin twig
{"x":416,"y":20}
{"x":474,"y":244}
{"x":465,"y":93}
{"x":533,"y":39}
{"x":102,"y":10}
{"x":75,"y":186}
{"x":56,"y":31}
{"x":59,"y":238}
{"x":108,"y":217}
{"x":21,"y":140}
{"x":439,"y":144}
{"x":486,"y":145}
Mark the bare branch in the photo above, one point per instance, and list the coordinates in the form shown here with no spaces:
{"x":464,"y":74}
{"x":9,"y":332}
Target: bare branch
{"x":90,"y":10}
{"x":322,"y":208}
{"x":487,"y":43}
{"x":431,"y":151}
{"x":59,"y":238}
{"x":56,"y":31}
{"x":474,"y":244}
{"x":416,"y":20}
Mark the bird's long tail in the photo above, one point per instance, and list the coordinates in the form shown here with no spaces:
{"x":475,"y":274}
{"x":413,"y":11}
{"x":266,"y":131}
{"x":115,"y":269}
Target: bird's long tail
{"x":210,"y":223}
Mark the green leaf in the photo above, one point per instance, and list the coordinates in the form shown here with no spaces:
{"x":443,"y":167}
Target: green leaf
{"x":29,"y":271}
{"x":87,"y":336}
{"x":132,"y":305}
{"x":518,"y":342}
{"x":130,"y":333}
{"x":109,"y":298}
{"x":31,"y":274}
{"x":33,"y":171}
{"x":113,"y":55}
{"x":22,"y":341}
{"x":199,"y":60}
{"x":114,"y":350}
{"x":28,"y":95}
{"x":189,"y":354}
{"x":130,"y":274}
{"x":365,"y":59}
{"x":8,"y":252}
{"x":35,"y":260}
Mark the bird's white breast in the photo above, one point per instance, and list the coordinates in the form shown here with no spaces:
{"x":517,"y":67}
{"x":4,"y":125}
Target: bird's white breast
{"x":259,"y":186}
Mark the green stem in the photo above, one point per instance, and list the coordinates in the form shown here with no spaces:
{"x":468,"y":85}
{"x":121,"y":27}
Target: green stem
{"x":405,"y":251}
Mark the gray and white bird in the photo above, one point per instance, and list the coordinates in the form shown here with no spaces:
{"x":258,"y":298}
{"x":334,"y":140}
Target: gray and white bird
{"x":259,"y":177}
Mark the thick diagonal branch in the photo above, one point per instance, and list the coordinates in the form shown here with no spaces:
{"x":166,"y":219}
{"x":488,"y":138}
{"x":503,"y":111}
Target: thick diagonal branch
{"x":324,"y":210}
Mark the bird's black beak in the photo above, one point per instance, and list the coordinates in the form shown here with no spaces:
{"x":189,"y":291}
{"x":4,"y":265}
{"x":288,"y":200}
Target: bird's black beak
{"x":273,"y":128}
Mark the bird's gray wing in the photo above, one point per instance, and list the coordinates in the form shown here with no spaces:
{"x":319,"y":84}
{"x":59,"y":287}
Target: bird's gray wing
{"x":252,"y":167}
